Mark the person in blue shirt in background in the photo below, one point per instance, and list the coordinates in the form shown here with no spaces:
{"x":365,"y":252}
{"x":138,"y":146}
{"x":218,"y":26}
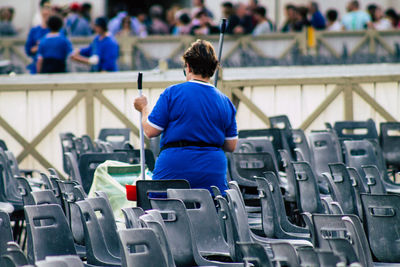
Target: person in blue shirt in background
{"x":197,"y":123}
{"x":37,"y":33}
{"x":102,"y":53}
{"x":54,"y":48}
{"x":317,"y":19}
{"x":75,"y":23}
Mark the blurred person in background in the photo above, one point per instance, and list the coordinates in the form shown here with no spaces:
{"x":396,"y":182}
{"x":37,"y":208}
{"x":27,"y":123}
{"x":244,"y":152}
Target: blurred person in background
{"x":157,"y":26}
{"x":102,"y":53}
{"x":205,"y":25}
{"x":228,"y":11}
{"x":86,"y":11}
{"x":379,"y":22}
{"x":245,"y":24}
{"x":36,"y":33}
{"x":393,"y":17}
{"x":199,"y":5}
{"x":317,"y":19}
{"x":356,"y":19}
{"x":126,"y":27}
{"x":37,"y":18}
{"x":115,"y":23}
{"x":143,"y":23}
{"x":301,"y":19}
{"x":54,"y":48}
{"x":333,"y":24}
{"x":171,"y":18}
{"x":290,"y":11}
{"x":264,"y":25}
{"x":6,"y":26}
{"x":75,"y":23}
{"x":183,"y":25}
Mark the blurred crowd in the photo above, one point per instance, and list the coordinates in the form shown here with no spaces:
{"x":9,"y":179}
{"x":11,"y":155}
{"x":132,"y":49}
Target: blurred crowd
{"x":49,"y":46}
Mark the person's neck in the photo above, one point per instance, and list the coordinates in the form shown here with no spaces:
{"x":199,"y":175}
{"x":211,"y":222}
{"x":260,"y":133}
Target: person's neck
{"x":199,"y":78}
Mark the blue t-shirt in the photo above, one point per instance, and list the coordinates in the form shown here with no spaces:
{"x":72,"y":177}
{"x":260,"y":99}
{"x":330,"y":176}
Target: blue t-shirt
{"x":356,"y":20}
{"x":55,"y":46}
{"x":35,"y":34}
{"x":107,"y":49}
{"x":198,"y":112}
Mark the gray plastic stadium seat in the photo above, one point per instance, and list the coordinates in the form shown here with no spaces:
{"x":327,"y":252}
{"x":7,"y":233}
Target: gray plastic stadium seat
{"x":358,"y":187}
{"x":60,"y":261}
{"x":310,"y":199}
{"x":139,"y":237}
{"x":122,"y":133}
{"x":374,"y":179}
{"x":107,"y":224}
{"x":71,"y":164}
{"x":308,"y":256}
{"x":154,"y":221}
{"x":302,"y":149}
{"x":52,"y":239}
{"x":25,"y":190}
{"x":285,"y":254}
{"x":292,"y":190}
{"x":96,"y":248}
{"x":180,"y":234}
{"x":273,"y":209}
{"x":382,"y":217}
{"x":254,"y":254}
{"x":131,"y":216}
{"x":390,"y":143}
{"x":5,"y":231}
{"x":325,"y":149}
{"x":207,"y":233}
{"x":14,"y":254}
{"x":369,"y":126}
{"x":343,"y":188}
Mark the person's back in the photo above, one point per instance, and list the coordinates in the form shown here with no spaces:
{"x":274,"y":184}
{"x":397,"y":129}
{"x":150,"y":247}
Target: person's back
{"x":54,"y":49}
{"x":355,"y":19}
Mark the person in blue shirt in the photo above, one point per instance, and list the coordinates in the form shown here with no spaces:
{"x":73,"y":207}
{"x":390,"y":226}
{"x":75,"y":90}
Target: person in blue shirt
{"x":75,"y":23}
{"x":197,"y":123}
{"x":54,"y":48}
{"x":356,"y":19}
{"x":37,"y":33}
{"x":317,"y":19}
{"x":102,"y":53}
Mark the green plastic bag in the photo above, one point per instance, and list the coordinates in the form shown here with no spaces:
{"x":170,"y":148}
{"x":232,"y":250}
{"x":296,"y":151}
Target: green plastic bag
{"x":111,"y":178}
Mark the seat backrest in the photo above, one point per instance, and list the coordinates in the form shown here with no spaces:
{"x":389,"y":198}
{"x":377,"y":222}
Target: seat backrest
{"x":310,"y":200}
{"x":13,"y":163}
{"x":134,"y":157}
{"x":48,"y":239}
{"x":141,"y":237}
{"x":9,"y":191}
{"x":382,"y":216}
{"x":71,"y":163}
{"x":390,"y":142}
{"x":245,"y":166}
{"x":374,"y":179}
{"x":325,"y":150}
{"x":89,"y":162}
{"x":115,"y":136}
{"x":25,"y":190}
{"x":368,"y":127}
{"x":239,"y":215}
{"x":145,"y":187}
{"x":44,"y":197}
{"x":345,"y":192}
{"x":179,"y":230}
{"x":132,"y":216}
{"x":3,"y":145}
{"x":46,"y":181}
{"x":154,"y":221}
{"x":327,"y":226}
{"x":285,"y":254}
{"x":96,"y":248}
{"x":308,"y":256}
{"x":359,"y":153}
{"x":358,"y":239}
{"x":292,"y":190}
{"x":87,"y":144}
{"x":254,"y":253}
{"x":67,"y":145}
{"x":107,"y":223}
{"x":207,"y":233}
{"x":5,"y":231}
{"x":301,"y":145}
{"x":67,"y":261}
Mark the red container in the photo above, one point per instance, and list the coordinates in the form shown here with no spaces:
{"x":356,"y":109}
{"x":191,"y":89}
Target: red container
{"x":131,"y":192}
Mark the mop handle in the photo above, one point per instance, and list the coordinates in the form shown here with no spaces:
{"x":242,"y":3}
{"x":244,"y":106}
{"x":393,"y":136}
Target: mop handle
{"x":221,"y":42}
{"x":142,"y":156}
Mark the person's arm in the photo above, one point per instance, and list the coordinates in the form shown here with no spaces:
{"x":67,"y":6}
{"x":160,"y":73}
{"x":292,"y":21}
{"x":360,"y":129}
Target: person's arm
{"x":142,"y":106}
{"x":78,"y":57}
{"x":39,"y":64}
{"x":229,"y":145}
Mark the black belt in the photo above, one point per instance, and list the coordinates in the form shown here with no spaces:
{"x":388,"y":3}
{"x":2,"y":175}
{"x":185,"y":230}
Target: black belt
{"x":188,"y":143}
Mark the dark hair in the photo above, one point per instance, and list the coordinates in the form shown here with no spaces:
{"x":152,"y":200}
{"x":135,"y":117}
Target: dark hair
{"x":227,"y":5}
{"x":331,"y":15}
{"x":290,"y":6}
{"x":201,"y":13}
{"x":185,"y":18}
{"x":315,"y":5}
{"x":101,"y":22}
{"x":54,"y":23}
{"x":260,"y":10}
{"x":201,"y":58}
{"x":355,"y":3}
{"x":43,"y":2}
